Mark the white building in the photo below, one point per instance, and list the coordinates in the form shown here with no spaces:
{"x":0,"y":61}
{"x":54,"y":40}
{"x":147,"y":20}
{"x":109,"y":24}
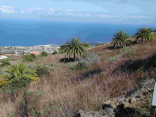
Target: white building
{"x":3,"y":57}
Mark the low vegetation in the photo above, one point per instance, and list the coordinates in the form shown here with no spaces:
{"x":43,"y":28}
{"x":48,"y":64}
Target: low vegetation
{"x":44,"y":54}
{"x":42,"y":70}
{"x":29,"y":58}
{"x":5,"y":62}
{"x":47,"y":87}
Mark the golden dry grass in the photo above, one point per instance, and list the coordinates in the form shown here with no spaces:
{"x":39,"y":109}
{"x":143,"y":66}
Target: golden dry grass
{"x":61,"y":91}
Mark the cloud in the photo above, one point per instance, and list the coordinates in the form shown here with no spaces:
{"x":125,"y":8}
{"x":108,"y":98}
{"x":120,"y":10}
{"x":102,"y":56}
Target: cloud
{"x":7,"y":9}
{"x":122,"y":16}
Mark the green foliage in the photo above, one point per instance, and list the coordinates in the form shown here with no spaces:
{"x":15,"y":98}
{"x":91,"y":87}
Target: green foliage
{"x":121,"y":39}
{"x":55,"y":52}
{"x":73,"y":47}
{"x":5,"y":62}
{"x":42,"y":70}
{"x":52,"y":66}
{"x":18,"y":76}
{"x":44,"y":54}
{"x":121,"y":52}
{"x":98,"y":44}
{"x":86,"y":45}
{"x":90,"y":59}
{"x":80,"y":66}
{"x":144,"y":34}
{"x":33,"y":56}
{"x":29,"y":58}
{"x":16,"y":84}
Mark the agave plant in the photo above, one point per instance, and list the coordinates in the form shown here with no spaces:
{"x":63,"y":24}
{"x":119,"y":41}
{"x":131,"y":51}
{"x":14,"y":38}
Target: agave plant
{"x":144,"y":34}
{"x":73,"y":47}
{"x":121,"y":39}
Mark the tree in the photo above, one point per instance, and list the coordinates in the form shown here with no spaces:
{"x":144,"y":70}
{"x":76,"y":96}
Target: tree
{"x":44,"y":54}
{"x":121,"y":39}
{"x":73,"y":47}
{"x":18,"y":77}
{"x":144,"y":34}
{"x":29,"y":58}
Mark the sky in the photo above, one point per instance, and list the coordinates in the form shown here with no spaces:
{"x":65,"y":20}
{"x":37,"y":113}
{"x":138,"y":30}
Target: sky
{"x":97,"y":11}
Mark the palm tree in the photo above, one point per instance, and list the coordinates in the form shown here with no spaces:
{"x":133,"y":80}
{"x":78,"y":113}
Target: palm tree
{"x":121,"y":39}
{"x":18,"y":76}
{"x":73,"y":47}
{"x":144,"y":34}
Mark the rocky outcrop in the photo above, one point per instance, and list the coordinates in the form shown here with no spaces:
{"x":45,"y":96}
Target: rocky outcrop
{"x":125,"y":106}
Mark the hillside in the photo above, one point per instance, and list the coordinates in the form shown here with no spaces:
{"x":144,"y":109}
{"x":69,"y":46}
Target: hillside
{"x":65,"y":91}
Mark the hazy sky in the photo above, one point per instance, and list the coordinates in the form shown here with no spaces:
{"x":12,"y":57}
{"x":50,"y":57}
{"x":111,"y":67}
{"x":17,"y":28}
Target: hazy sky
{"x":98,"y":11}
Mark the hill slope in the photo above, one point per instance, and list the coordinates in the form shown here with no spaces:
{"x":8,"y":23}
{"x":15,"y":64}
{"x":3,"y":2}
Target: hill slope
{"x":64,"y":91}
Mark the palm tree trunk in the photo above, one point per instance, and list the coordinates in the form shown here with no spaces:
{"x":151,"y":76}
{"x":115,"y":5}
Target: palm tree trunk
{"x":74,"y":56}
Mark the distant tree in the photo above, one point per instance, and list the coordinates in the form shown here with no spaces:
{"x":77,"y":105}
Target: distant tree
{"x":121,"y":39}
{"x":29,"y":58}
{"x":73,"y":47}
{"x":144,"y":34}
{"x":5,"y":62}
{"x":44,"y":54}
{"x":55,"y":52}
{"x":87,"y":45}
{"x":33,"y":56}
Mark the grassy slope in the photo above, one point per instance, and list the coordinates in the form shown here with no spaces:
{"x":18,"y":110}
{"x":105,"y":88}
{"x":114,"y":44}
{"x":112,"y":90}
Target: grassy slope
{"x":61,"y":92}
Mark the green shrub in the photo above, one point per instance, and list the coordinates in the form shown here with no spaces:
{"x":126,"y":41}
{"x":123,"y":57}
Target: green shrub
{"x":17,"y":84}
{"x":32,"y":65}
{"x":55,"y":52}
{"x":5,"y":62}
{"x":44,"y":54}
{"x":87,"y":45}
{"x":90,"y":59}
{"x":29,"y":58}
{"x":42,"y":70}
{"x":80,"y":66}
{"x":33,"y":56}
{"x":52,"y":66}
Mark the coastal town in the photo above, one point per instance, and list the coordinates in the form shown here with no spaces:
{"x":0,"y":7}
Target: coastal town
{"x":6,"y":51}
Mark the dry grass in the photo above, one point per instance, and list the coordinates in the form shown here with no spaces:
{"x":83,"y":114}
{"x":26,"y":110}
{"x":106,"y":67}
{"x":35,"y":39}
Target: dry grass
{"x":63,"y":94}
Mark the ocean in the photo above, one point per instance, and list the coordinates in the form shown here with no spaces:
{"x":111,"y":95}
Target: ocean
{"x":33,"y":32}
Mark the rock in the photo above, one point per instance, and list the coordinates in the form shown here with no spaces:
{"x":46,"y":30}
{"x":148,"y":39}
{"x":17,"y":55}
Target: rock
{"x":77,"y":114}
{"x":104,"y":106}
{"x":108,"y":111}
{"x":145,"y":93}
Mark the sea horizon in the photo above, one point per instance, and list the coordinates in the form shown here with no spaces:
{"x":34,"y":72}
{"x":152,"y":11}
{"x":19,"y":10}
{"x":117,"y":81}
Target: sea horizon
{"x":32,"y":32}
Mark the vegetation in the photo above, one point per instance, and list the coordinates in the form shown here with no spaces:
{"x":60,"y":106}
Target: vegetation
{"x":83,"y":84}
{"x":144,"y":34}
{"x":18,"y":76}
{"x":42,"y":70}
{"x":55,"y":52}
{"x":29,"y":58}
{"x":80,"y":66}
{"x":121,"y":39}
{"x":5,"y":62}
{"x":87,"y":45}
{"x":73,"y":47}
{"x":44,"y":54}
